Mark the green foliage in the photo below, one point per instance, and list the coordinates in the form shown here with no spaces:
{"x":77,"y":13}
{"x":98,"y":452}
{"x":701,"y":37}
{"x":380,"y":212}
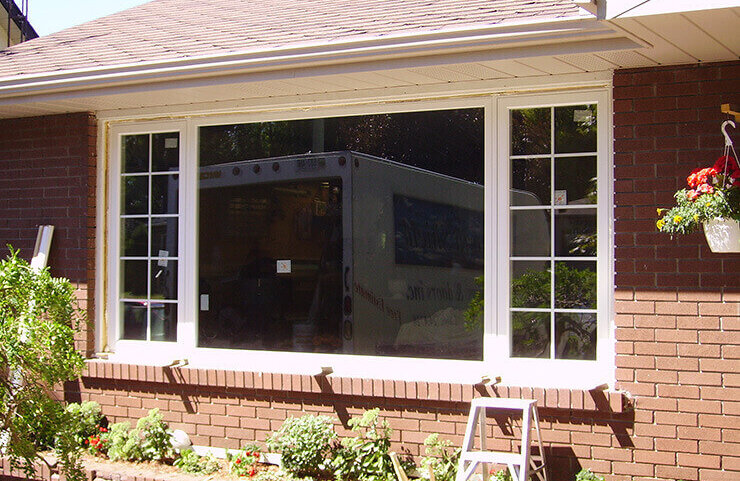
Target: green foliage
{"x":440,"y":457}
{"x":587,"y":475}
{"x":502,"y":475}
{"x":190,"y":462}
{"x":305,"y":443}
{"x":243,"y":463}
{"x":124,"y":443}
{"x":86,"y":418}
{"x":688,"y":215}
{"x":38,"y":320}
{"x":156,"y":443}
{"x":474,"y":313}
{"x":365,"y":457}
{"x":276,"y":475}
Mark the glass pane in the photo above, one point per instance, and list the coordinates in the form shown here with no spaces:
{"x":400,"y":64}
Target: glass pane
{"x":275,"y":262}
{"x":164,"y":194}
{"x":164,"y":236}
{"x":530,"y":334}
{"x":531,"y":283}
{"x":575,"y":336}
{"x":530,"y":131}
{"x":530,"y":232}
{"x":135,"y":153}
{"x":530,"y":182}
{"x":575,"y":180}
{"x":164,"y":279}
{"x":165,"y":152}
{"x":164,"y":322}
{"x":134,"y":320}
{"x":575,"y":129}
{"x":134,"y":277}
{"x":135,"y":195}
{"x":134,"y":236}
{"x":575,"y":232}
{"x":575,"y":285}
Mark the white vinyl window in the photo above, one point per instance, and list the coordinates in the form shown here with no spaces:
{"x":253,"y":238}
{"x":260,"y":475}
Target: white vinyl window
{"x":356,"y":240}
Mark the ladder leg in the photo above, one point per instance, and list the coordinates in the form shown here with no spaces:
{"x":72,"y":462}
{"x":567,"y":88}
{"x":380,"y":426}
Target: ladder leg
{"x":483,"y":435}
{"x":467,"y":446}
{"x":543,"y":462}
{"x":524,"y":463}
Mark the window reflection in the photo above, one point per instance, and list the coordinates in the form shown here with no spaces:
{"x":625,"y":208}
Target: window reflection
{"x":371,"y":244}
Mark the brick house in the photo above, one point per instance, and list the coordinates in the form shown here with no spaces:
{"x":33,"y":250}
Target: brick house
{"x":247,"y":195}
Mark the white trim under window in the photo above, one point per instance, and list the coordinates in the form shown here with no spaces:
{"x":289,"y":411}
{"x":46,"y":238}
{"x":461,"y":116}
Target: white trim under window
{"x":496,"y":361}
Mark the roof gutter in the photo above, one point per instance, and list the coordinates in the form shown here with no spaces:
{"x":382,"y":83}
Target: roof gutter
{"x":296,"y":57}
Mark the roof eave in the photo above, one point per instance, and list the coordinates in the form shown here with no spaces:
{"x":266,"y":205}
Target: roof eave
{"x":298,"y":57}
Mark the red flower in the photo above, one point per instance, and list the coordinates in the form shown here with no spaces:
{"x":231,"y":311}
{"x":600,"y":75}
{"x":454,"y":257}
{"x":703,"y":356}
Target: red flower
{"x":238,"y":461}
{"x":252,"y":472}
{"x":725,"y":162}
{"x":705,"y":189}
{"x":103,"y":430}
{"x":692,"y":195}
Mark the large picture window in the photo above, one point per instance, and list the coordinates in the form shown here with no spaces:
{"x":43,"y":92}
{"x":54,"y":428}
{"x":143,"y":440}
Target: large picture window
{"x":444,"y":240}
{"x":356,"y":235}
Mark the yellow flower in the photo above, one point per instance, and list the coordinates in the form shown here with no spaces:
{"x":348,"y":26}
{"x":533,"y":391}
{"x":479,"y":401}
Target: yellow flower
{"x":677,"y":218}
{"x":696,"y":217}
{"x":660,"y":223}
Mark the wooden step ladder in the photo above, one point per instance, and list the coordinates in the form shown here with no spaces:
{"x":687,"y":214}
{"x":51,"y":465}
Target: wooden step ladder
{"x":522,"y":464}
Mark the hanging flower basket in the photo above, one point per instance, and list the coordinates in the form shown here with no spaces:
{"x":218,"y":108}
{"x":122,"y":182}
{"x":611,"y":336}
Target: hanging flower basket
{"x":723,"y":235}
{"x":712,"y":200}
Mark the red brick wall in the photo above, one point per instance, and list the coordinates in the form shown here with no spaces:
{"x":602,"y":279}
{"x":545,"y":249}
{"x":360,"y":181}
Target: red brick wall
{"x":677,"y":304}
{"x":47,"y":176}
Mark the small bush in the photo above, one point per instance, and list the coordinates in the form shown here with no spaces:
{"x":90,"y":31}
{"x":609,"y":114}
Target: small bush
{"x":244,"y":462}
{"x":587,"y":475}
{"x":304,"y":443}
{"x":440,"y":457}
{"x":87,"y":419}
{"x":190,"y":462}
{"x":156,"y":443}
{"x":365,"y":457}
{"x":124,"y":443}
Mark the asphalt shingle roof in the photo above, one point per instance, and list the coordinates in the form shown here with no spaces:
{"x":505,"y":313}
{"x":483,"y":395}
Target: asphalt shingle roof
{"x":164,"y":30}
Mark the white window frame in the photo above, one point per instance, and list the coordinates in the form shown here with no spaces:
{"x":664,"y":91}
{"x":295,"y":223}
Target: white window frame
{"x":495,"y":360}
{"x":542,"y":371}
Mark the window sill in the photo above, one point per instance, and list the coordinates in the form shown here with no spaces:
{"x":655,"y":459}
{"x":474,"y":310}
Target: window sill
{"x":547,"y":398}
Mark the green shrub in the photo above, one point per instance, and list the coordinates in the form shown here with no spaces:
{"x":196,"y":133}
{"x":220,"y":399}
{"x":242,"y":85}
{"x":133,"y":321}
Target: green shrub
{"x":304,"y":443}
{"x":440,"y":457}
{"x":587,"y":475}
{"x":86,"y":418}
{"x":124,"y":443}
{"x":243,"y":462}
{"x":365,"y":457}
{"x":190,"y":462}
{"x":155,"y":444}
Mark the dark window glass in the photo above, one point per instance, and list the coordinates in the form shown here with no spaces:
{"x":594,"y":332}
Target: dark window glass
{"x":371,"y":243}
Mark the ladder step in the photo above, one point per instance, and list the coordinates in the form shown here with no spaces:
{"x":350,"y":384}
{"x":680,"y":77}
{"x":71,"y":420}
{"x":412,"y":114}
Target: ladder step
{"x":491,"y":457}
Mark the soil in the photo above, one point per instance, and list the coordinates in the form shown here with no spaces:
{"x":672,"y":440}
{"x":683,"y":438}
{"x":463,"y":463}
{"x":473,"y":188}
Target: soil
{"x":150,"y":469}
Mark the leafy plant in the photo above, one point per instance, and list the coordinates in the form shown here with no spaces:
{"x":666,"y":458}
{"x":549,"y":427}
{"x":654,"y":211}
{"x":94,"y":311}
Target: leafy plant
{"x":156,"y":443}
{"x":713,"y":193}
{"x":365,"y":457}
{"x":38,"y":321}
{"x":87,"y":419}
{"x":243,"y":463}
{"x":190,"y":462}
{"x":587,"y":475}
{"x":97,"y":444}
{"x":473,"y":315}
{"x":440,"y":458}
{"x":305,"y":443}
{"x":124,"y":443}
{"x":502,"y":475}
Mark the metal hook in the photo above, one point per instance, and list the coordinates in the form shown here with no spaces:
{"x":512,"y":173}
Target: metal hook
{"x":728,"y":141}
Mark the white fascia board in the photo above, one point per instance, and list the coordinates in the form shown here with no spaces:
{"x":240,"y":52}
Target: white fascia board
{"x":639,"y":8}
{"x":293,"y":58}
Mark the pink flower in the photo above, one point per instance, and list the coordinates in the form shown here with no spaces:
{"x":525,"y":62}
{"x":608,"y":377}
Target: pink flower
{"x":705,"y":189}
{"x":692,"y":195}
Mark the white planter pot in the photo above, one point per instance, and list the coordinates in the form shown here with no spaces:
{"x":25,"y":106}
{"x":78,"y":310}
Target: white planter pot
{"x":723,"y":235}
